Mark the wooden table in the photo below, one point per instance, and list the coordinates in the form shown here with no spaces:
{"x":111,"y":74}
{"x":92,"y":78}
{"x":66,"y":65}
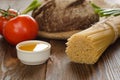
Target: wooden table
{"x":58,"y":67}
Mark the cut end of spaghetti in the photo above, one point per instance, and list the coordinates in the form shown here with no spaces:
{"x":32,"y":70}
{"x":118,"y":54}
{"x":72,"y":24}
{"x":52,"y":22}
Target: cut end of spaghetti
{"x":80,"y":50}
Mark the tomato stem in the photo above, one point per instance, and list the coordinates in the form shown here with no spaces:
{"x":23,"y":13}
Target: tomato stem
{"x":6,"y":13}
{"x":34,"y":4}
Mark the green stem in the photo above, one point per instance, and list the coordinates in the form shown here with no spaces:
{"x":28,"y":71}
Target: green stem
{"x":7,"y":13}
{"x":105,"y":12}
{"x":34,"y":4}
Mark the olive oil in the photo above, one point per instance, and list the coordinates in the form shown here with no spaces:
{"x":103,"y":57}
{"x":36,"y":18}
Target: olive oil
{"x":33,"y":46}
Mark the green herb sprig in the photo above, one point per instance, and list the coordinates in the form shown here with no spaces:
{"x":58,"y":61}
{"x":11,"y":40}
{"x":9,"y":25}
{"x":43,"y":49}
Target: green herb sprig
{"x":34,"y":4}
{"x":105,"y":12}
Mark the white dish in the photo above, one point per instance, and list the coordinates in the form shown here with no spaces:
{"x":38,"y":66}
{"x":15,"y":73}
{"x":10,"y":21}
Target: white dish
{"x":35,"y":57}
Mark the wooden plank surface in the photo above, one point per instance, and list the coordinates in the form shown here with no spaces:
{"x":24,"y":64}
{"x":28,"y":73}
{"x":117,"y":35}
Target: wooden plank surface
{"x":58,"y":67}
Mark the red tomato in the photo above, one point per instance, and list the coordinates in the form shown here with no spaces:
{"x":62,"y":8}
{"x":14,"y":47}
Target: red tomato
{"x":20,"y":28}
{"x":4,"y":18}
{"x":3,"y":21}
{"x":12,"y":12}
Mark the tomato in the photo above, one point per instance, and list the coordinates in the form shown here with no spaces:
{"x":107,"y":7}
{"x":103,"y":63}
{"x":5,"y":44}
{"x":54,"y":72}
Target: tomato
{"x":13,"y":13}
{"x":20,"y":28}
{"x":4,"y":18}
{"x":3,"y":21}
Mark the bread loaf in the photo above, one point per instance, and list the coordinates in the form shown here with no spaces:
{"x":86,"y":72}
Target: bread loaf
{"x":62,"y":16}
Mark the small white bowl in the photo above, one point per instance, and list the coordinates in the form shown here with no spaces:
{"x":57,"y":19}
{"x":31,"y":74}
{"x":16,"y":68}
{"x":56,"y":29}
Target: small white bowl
{"x":33,"y":57}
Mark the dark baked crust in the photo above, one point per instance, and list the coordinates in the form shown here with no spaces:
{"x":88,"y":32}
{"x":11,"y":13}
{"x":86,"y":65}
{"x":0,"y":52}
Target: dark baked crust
{"x":65,"y":15}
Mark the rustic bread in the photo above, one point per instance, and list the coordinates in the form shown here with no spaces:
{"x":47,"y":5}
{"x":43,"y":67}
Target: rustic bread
{"x":64,"y":16}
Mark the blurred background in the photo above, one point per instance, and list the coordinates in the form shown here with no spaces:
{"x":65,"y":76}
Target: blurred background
{"x":20,"y":5}
{"x":15,"y":4}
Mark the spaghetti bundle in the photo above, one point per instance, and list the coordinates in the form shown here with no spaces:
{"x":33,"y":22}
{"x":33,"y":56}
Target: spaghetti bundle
{"x":87,"y":46}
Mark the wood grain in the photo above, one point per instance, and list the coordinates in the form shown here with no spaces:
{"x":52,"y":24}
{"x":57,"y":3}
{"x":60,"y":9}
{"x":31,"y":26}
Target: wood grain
{"x":13,"y":69}
{"x":58,"y":67}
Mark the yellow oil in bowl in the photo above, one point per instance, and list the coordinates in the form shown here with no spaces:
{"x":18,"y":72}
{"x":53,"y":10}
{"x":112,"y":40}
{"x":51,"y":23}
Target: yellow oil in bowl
{"x":33,"y":47}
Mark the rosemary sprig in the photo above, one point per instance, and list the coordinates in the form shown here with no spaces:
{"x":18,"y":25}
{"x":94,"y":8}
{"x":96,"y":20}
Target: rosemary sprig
{"x":105,"y":11}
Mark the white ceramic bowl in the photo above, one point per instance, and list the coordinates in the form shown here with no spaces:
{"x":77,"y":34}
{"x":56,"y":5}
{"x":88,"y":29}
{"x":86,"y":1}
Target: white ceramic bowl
{"x":33,"y":57}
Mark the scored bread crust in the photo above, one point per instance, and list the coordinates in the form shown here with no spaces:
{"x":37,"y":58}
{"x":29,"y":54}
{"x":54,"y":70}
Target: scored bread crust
{"x":57,"y":35}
